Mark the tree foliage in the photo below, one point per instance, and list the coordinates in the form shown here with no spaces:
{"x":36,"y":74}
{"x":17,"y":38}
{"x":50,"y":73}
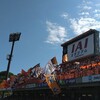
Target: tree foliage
{"x":3,"y":75}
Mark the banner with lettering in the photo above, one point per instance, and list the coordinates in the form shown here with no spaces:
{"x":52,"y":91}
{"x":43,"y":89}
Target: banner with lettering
{"x":51,"y":81}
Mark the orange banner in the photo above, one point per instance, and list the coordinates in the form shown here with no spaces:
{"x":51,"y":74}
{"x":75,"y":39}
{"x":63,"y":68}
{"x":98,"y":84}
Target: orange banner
{"x":50,"y":79}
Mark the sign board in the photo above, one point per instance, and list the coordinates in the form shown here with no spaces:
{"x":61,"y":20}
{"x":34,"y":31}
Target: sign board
{"x":96,"y":78}
{"x":91,"y":78}
{"x":81,"y":48}
{"x":86,"y":44}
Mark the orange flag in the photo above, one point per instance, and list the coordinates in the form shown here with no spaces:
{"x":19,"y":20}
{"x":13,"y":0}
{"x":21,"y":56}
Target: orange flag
{"x":4,"y":84}
{"x":23,"y":72}
{"x":50,"y":79}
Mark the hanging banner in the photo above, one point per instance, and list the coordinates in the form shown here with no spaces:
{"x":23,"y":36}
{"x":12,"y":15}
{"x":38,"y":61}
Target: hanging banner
{"x":50,"y":79}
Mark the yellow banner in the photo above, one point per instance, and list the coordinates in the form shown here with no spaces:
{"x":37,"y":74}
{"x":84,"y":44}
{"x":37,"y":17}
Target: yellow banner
{"x":50,"y":79}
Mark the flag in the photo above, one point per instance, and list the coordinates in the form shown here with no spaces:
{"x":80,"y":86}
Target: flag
{"x":50,"y":78}
{"x":51,"y":81}
{"x":36,"y":70}
{"x":29,"y":71}
{"x":54,"y":61}
{"x":4,"y":84}
{"x":37,"y":65}
{"x":23,"y":72}
{"x":50,"y":66}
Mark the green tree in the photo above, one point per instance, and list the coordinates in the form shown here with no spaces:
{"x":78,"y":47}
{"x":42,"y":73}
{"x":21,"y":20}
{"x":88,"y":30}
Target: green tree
{"x":3,"y":75}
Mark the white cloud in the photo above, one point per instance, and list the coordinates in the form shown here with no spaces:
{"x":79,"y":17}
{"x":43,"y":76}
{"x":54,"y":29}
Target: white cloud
{"x":97,"y":15}
{"x":86,"y":8}
{"x":65,"y":15}
{"x":97,"y":11}
{"x":83,"y":24}
{"x":57,"y":33}
{"x":89,"y":2}
{"x":84,"y":13}
{"x":88,"y":18}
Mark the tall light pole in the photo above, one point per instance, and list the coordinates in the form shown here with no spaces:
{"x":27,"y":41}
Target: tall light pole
{"x":12,"y":38}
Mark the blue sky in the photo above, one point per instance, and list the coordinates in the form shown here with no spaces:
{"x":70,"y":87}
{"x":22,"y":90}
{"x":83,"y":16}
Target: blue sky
{"x":45,"y":25}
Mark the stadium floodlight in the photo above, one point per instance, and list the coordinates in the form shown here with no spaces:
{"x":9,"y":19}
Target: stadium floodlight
{"x":12,"y":38}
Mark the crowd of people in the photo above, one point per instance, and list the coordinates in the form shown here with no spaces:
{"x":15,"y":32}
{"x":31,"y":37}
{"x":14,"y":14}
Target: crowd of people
{"x":33,"y":75}
{"x":85,"y":67}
